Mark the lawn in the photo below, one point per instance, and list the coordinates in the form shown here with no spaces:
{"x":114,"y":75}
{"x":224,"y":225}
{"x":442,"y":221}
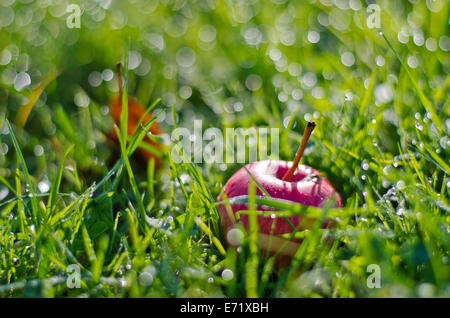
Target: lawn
{"x":78,"y":199}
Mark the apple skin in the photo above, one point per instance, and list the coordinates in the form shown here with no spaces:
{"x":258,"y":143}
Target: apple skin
{"x":306,"y":187}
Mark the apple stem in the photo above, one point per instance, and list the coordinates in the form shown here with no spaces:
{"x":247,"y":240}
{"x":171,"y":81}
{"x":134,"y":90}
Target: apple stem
{"x":306,"y":134}
{"x":119,"y":80}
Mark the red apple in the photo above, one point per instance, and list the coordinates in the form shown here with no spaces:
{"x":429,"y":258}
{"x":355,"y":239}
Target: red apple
{"x":283,"y":180}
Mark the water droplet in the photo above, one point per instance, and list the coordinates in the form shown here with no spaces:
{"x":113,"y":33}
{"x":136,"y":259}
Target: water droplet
{"x":145,"y":279}
{"x":44,"y":186}
{"x":81,"y":99}
{"x":444,"y":142}
{"x":426,"y":290}
{"x":186,"y":57}
{"x":95,"y":79}
{"x":348,"y":59}
{"x":419,"y":126}
{"x":400,"y":184}
{"x":134,"y":60}
{"x":38,"y":150}
{"x":254,"y":82}
{"x":227,"y":274}
{"x":235,"y":237}
{"x":401,"y":211}
{"x":413,"y":62}
{"x":22,"y":80}
{"x":107,"y":75}
{"x":4,"y":191}
{"x":384,"y":93}
{"x":365,"y":165}
{"x":380,"y":61}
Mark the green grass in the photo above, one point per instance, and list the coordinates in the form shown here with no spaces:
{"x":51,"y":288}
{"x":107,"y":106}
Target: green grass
{"x":70,"y":195}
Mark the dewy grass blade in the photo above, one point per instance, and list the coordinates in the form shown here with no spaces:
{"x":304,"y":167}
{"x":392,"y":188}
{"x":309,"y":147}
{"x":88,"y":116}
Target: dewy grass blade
{"x":425,"y":102}
{"x":131,"y":178}
{"x":55,"y":186}
{"x":123,"y":91}
{"x":139,"y":136}
{"x":8,"y":185}
{"x":208,"y":231}
{"x":147,"y":111}
{"x":25,"y":110}
{"x":29,"y":185}
{"x":251,"y":268}
{"x":368,"y":93}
